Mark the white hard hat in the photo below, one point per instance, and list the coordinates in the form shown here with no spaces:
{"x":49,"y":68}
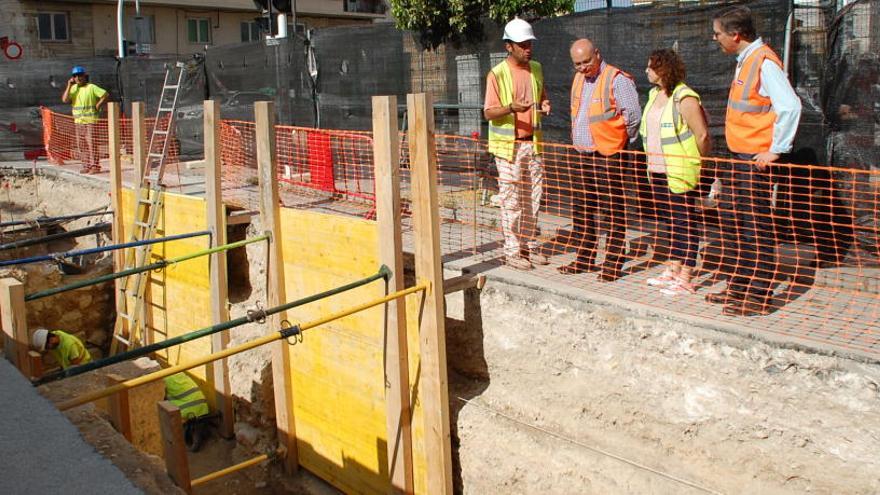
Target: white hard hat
{"x":38,"y":340}
{"x":518,"y":31}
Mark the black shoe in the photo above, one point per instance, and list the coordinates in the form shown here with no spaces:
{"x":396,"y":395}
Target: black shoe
{"x":576,"y":267}
{"x":609,"y":275}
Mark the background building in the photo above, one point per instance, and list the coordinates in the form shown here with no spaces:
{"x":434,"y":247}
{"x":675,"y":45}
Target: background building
{"x":80,"y":28}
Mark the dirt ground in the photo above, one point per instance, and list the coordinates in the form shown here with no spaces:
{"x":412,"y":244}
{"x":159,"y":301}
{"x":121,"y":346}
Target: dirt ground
{"x":582,"y":398}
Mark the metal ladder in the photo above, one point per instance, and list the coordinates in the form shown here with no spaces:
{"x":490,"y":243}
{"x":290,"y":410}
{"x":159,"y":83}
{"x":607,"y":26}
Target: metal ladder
{"x":130,"y":303}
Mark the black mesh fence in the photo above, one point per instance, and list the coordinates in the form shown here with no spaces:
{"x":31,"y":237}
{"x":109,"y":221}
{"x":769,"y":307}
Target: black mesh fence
{"x":327,"y":80}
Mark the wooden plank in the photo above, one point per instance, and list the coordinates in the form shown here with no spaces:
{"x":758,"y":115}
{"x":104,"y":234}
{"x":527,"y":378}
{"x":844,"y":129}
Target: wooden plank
{"x":434,"y":387}
{"x":386,"y":152}
{"x":119,"y":407}
{"x":36,"y":364}
{"x":13,"y":316}
{"x":139,"y":139}
{"x":117,"y":203}
{"x":174,"y":446}
{"x":270,"y":208}
{"x":218,"y":371}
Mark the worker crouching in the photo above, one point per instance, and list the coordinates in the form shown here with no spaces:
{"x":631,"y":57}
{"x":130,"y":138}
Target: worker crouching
{"x":184,"y":392}
{"x":65,"y":348}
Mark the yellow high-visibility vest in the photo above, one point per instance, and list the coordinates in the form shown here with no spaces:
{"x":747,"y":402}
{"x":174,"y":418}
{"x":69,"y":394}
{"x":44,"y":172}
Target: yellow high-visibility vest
{"x":184,"y":393}
{"x":502,"y":131}
{"x":680,"y":151}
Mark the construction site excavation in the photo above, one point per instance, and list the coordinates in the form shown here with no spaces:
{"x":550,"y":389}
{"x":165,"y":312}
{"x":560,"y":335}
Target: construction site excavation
{"x":355,"y":253}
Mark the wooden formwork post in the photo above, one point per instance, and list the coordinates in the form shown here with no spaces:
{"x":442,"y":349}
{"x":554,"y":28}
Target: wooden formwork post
{"x":118,"y":226}
{"x":119,"y":407}
{"x":432,"y":331}
{"x":218,"y":371}
{"x":386,"y":153}
{"x":270,"y":216}
{"x":13,"y":316}
{"x":138,"y":140}
{"x":174,"y":445}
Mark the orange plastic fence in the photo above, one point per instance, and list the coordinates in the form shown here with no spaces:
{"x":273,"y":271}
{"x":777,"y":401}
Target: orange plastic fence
{"x":65,"y":141}
{"x":798,"y":243}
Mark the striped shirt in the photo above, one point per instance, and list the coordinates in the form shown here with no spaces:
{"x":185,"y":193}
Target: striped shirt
{"x":627,"y":103}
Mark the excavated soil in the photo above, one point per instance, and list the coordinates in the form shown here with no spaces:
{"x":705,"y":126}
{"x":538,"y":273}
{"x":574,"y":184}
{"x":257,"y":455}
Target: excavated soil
{"x":572,"y":397}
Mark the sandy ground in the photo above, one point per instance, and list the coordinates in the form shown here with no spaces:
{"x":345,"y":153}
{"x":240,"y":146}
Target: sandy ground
{"x":581,"y":398}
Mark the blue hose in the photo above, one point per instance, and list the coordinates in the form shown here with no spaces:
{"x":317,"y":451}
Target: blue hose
{"x":70,"y":254}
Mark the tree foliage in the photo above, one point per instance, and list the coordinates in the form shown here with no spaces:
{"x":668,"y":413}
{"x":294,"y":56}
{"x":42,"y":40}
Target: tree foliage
{"x":439,"y":21}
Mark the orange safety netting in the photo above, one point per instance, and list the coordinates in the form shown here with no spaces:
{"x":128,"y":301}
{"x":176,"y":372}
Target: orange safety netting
{"x":799,"y":242}
{"x":66,"y":141}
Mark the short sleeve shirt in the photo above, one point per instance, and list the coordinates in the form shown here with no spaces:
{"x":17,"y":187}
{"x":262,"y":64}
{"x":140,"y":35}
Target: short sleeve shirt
{"x":83,"y":100}
{"x":522,"y":92}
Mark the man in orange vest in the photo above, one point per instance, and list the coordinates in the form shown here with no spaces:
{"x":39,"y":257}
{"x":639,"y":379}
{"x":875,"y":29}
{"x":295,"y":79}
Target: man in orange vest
{"x":605,"y":118}
{"x":762,"y":118}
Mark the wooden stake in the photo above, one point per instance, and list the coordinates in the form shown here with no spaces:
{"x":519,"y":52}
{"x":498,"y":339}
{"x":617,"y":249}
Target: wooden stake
{"x":386,"y":151}
{"x":118,"y":226}
{"x":270,"y":210}
{"x":139,"y":140}
{"x":13,"y":317}
{"x":119,"y":407}
{"x":176,"y":462}
{"x":218,"y":371}
{"x":434,"y":386}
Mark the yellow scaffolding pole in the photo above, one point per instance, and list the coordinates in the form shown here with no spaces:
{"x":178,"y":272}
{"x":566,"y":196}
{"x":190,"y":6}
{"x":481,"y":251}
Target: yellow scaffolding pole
{"x":231,"y":469}
{"x":282,"y":334}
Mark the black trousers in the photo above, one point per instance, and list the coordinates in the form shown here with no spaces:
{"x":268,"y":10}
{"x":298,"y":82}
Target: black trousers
{"x":597,"y":184}
{"x":755,"y":239}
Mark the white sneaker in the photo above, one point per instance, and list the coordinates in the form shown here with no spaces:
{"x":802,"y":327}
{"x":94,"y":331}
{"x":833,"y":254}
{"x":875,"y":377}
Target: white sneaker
{"x":664,"y":280}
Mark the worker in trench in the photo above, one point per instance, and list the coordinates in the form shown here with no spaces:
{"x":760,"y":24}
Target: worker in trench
{"x":67,"y":349}
{"x":182,"y":391}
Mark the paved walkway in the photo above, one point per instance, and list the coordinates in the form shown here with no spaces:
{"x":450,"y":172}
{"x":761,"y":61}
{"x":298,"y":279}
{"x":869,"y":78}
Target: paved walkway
{"x":43,"y":452}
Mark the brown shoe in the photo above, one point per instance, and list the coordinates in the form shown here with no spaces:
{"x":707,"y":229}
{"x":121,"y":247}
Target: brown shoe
{"x":724,"y":297}
{"x":538,"y":258}
{"x":576,"y":267}
{"x":749,"y":306}
{"x":518,"y":262}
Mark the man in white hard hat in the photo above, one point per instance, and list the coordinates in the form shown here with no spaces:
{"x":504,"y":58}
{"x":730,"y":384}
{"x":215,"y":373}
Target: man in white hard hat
{"x":65,"y":348}
{"x":515,"y":102}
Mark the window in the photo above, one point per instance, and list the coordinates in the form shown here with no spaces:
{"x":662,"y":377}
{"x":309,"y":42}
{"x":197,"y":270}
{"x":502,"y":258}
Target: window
{"x":198,"y":30}
{"x":52,"y":26}
{"x":141,"y":29}
{"x":250,"y":31}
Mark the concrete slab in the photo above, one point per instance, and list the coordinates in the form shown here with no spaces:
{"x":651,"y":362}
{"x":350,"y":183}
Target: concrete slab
{"x":44,"y":452}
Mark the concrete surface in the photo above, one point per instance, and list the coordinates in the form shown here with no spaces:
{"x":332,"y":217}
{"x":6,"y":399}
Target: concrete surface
{"x":44,"y":453}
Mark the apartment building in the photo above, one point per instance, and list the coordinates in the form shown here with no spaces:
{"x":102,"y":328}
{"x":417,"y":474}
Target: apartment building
{"x":79,"y":28}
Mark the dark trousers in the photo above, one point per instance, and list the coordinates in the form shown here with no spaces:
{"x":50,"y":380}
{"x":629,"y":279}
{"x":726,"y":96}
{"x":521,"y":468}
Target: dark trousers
{"x":754,"y":231}
{"x":680,"y":212}
{"x":597,"y":189}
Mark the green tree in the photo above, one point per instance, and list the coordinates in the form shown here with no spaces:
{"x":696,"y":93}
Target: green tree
{"x":439,"y":21}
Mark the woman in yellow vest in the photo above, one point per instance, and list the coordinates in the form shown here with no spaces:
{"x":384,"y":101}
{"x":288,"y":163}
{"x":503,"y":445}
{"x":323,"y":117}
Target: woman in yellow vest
{"x":675,"y":135}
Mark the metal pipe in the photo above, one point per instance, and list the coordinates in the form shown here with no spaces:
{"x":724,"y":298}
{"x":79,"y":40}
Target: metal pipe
{"x":119,"y":23}
{"x":383,"y":273}
{"x":232,"y":469}
{"x":101,"y":249}
{"x":37,"y":221}
{"x":146,"y":268}
{"x":92,"y":229}
{"x":281,"y":334}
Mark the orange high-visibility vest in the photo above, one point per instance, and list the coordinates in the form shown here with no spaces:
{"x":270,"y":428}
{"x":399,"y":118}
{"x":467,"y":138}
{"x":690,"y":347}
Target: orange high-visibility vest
{"x":750,"y":116}
{"x":607,"y":125}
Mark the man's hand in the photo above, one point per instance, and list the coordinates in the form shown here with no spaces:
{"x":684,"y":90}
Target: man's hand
{"x":518,"y":107}
{"x":764,"y":158}
{"x":545,"y":107}
{"x":71,"y":82}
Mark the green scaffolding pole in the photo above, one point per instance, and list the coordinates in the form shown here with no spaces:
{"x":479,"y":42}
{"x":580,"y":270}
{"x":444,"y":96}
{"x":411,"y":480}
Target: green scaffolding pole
{"x":133,"y":271}
{"x":253,"y":315}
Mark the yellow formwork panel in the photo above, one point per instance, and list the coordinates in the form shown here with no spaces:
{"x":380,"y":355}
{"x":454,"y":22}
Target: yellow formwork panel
{"x":338,"y":369}
{"x":179,"y":296}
